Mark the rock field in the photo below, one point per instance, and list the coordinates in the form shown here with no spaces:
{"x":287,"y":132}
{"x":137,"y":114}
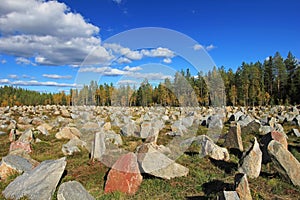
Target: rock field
{"x":259,"y":135}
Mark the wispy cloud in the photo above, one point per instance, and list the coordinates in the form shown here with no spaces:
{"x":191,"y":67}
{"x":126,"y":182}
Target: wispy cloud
{"x":130,"y":72}
{"x":56,"y":76}
{"x":167,"y":60}
{"x":210,"y":47}
{"x":127,"y":82}
{"x":13,"y":76}
{"x":108,"y":71}
{"x":24,"y":61}
{"x":151,"y":76}
{"x":37,"y":83}
{"x":27,"y":76}
{"x":117,"y":1}
{"x":197,"y":47}
{"x":3,"y":61}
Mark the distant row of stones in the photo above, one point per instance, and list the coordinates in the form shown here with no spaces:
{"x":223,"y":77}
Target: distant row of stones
{"x":100,"y":131}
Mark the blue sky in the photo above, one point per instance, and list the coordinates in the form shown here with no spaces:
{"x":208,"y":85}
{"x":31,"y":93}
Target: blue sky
{"x":44,"y":45}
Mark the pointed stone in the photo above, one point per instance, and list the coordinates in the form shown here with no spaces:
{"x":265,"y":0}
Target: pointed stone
{"x":17,"y":145}
{"x":73,"y":190}
{"x":285,"y":163}
{"x":124,"y":176}
{"x":39,"y":183}
{"x":98,"y":148}
{"x":251,"y":162}
{"x":242,"y":187}
{"x":26,"y":137}
{"x":234,"y":138}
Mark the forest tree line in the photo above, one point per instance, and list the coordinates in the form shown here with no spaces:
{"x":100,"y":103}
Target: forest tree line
{"x":275,"y":81}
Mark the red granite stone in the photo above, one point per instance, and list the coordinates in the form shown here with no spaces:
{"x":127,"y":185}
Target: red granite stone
{"x":280,"y":137}
{"x":124,"y":176}
{"x":20,"y":145}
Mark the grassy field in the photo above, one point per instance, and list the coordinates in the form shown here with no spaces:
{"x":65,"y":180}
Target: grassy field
{"x":205,"y":180}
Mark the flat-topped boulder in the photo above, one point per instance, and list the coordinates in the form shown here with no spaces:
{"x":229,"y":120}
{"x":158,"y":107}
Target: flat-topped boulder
{"x":11,"y":164}
{"x":158,"y":164}
{"x":68,"y":133}
{"x":39,"y":183}
{"x":73,"y":190}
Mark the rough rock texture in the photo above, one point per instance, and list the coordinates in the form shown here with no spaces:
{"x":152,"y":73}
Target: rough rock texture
{"x":16,"y":145}
{"x":13,"y":163}
{"x":26,"y":137}
{"x":145,"y":129}
{"x":230,"y":195}
{"x":280,"y":137}
{"x":98,"y":148}
{"x":73,"y":190}
{"x":234,"y":138}
{"x":242,"y":187}
{"x":72,"y":146}
{"x":266,"y":139}
{"x":251,"y":162}
{"x":157,"y":164}
{"x":296,"y":132}
{"x":68,"y":133}
{"x":251,"y":128}
{"x":124,"y":176}
{"x":209,"y":148}
{"x":44,"y":128}
{"x":128,"y":129}
{"x":39,"y":183}
{"x":286,"y":164}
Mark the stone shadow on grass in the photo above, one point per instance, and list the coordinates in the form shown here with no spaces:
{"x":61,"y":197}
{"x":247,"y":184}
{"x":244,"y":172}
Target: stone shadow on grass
{"x":216,"y":186}
{"x":228,"y":167}
{"x":197,"y":198}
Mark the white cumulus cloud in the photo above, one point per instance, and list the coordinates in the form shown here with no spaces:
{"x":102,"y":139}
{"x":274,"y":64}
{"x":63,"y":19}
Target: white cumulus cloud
{"x":48,"y":32}
{"x":132,"y":69}
{"x":127,"y":55}
{"x":4,"y":81}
